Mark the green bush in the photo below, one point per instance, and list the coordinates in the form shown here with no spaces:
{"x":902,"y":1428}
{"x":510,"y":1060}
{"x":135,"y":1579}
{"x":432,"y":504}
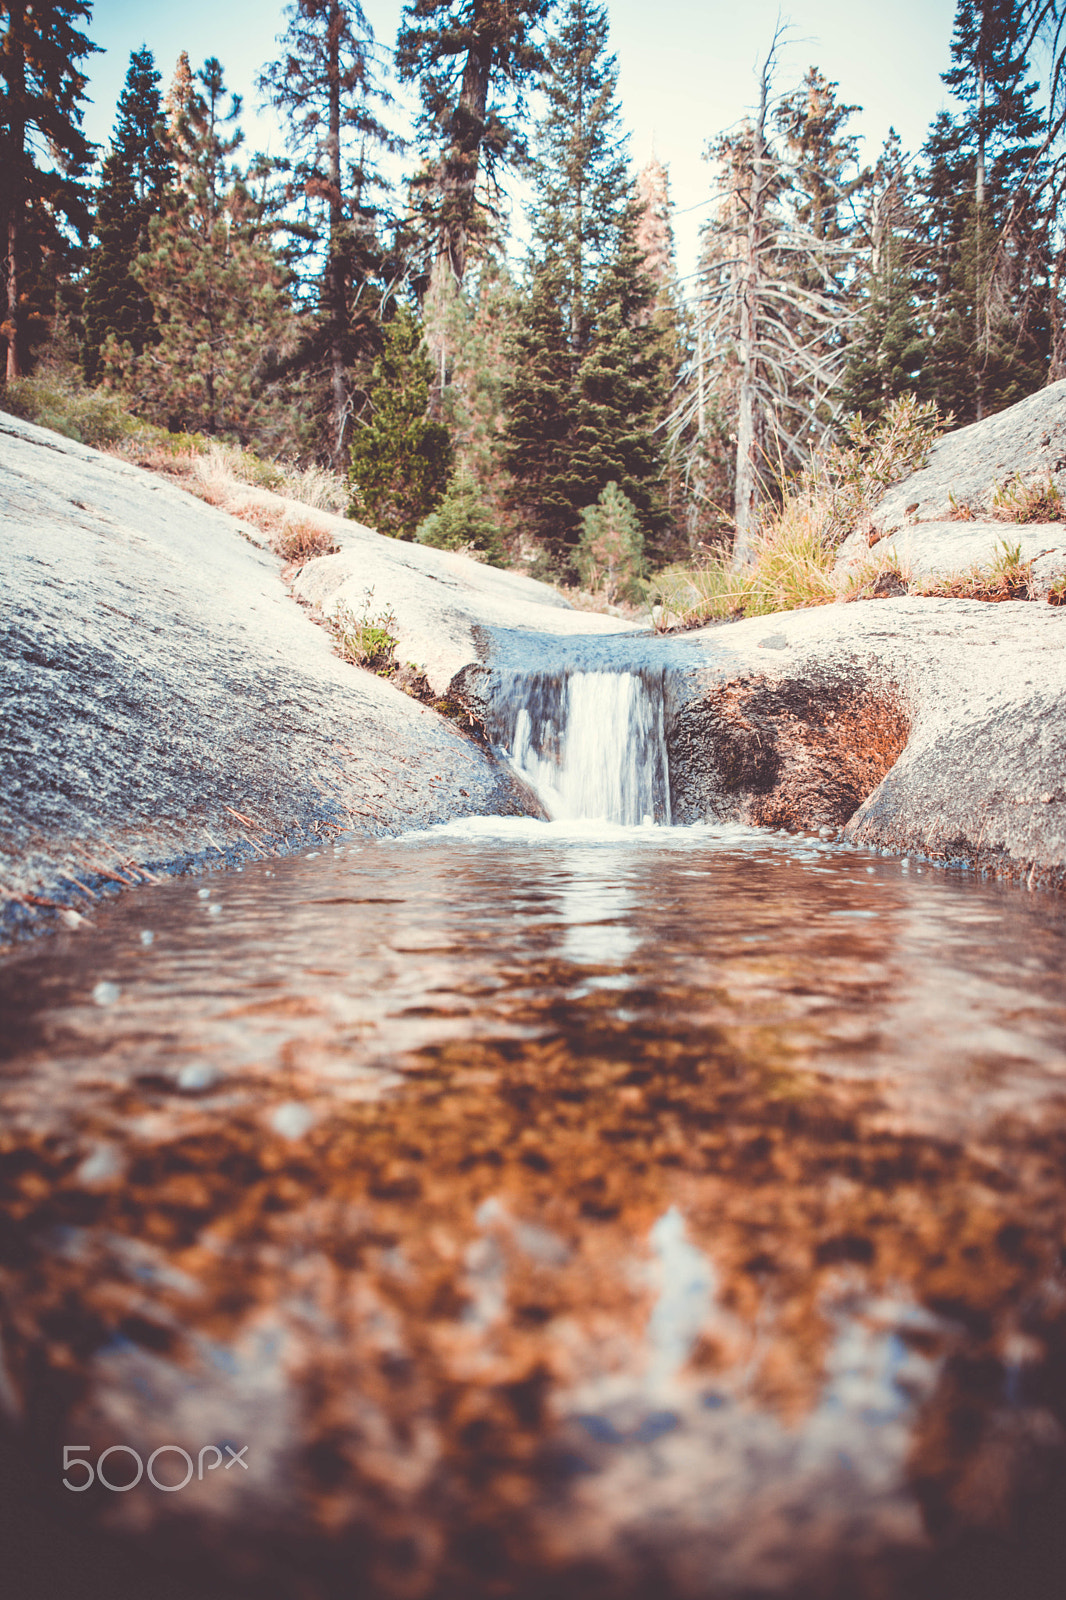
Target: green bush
{"x":401,"y":459}
{"x":90,"y":416}
{"x":610,"y":551}
{"x":463,"y":521}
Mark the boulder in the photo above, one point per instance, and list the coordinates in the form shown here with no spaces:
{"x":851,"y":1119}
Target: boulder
{"x":166,"y":702}
{"x":437,"y":598}
{"x":943,"y":549}
{"x":1027,"y":440}
{"x":918,"y":726}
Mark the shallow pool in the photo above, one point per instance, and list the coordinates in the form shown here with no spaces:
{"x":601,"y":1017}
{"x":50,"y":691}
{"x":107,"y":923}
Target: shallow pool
{"x":528,"y":1209}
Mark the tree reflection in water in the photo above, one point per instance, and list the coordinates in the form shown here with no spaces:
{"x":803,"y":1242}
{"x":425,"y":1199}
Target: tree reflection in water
{"x":658,"y":1213}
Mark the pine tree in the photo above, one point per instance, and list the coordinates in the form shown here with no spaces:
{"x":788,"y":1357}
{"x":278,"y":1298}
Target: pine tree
{"x":589,"y":372}
{"x":610,"y":553}
{"x":885,"y":356}
{"x":402,"y":458}
{"x":325,"y":86}
{"x":216,"y":289}
{"x":135,"y":176}
{"x":775,"y":309}
{"x":470,"y":331}
{"x":44,"y":159}
{"x":472,"y":61}
{"x":987,"y":235}
{"x":655,"y":242}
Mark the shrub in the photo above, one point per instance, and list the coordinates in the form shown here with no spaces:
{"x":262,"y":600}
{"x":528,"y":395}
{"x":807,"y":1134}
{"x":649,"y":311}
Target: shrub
{"x":464,"y":522}
{"x":89,"y":416}
{"x":610,"y":551}
{"x":299,"y":539}
{"x":795,"y":549}
{"x":366,"y":640}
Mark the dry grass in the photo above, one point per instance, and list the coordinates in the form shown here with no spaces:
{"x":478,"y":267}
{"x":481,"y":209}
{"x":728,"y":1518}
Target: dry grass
{"x":234,"y":480}
{"x":796,"y":548}
{"x":1006,"y":577}
{"x":1038,"y":500}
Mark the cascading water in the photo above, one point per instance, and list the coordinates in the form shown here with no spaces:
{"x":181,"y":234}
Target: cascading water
{"x":591,"y":744}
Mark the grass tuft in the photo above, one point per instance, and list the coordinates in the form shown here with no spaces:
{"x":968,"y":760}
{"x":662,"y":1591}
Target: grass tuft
{"x":1038,"y":500}
{"x":795,"y":550}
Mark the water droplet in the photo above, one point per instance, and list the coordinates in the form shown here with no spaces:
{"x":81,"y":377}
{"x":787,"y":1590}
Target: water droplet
{"x":99,"y":1165}
{"x":292,"y":1119}
{"x":147,"y":937}
{"x":196,"y":1075}
{"x":203,"y":894}
{"x":105,"y":994}
{"x":214,"y":911}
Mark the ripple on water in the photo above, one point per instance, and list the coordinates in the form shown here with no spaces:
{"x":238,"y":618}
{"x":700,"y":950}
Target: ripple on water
{"x":552,"y":1209}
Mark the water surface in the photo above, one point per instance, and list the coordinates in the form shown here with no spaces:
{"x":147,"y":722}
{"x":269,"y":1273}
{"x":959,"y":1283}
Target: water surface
{"x":551,"y":1210}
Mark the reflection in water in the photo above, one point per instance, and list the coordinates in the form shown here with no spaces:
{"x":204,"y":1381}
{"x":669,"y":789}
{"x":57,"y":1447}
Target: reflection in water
{"x":591,"y":1212}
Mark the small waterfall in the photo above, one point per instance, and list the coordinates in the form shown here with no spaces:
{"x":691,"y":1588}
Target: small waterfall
{"x":591,"y":744}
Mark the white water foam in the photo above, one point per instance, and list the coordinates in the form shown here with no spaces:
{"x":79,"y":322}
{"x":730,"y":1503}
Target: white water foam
{"x":592,"y":745}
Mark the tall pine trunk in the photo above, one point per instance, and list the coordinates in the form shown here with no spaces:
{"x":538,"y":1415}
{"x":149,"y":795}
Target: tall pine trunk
{"x":746,"y":498}
{"x":981,"y":296}
{"x":336,"y":275}
{"x":14,"y":202}
{"x":459,"y":167}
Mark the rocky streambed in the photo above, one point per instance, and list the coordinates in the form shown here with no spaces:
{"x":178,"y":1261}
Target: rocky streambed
{"x":405,"y":1196}
{"x":166,"y":704}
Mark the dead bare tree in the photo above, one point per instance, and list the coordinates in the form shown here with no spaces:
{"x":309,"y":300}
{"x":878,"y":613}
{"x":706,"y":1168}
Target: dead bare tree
{"x":771,"y":319}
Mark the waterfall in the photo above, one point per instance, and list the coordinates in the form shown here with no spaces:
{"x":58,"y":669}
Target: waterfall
{"x":591,"y":744}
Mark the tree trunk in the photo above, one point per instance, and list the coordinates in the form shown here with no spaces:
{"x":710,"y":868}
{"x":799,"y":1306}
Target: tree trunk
{"x":979,"y":201}
{"x":336,"y":276}
{"x":13,"y":201}
{"x":746,"y":498}
{"x":459,"y":166}
{"x":12,"y":323}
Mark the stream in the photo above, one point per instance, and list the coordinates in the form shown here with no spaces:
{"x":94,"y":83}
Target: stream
{"x":573,"y":1208}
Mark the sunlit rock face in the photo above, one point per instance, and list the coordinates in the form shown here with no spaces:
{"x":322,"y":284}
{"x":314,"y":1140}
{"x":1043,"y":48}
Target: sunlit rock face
{"x":933,"y":726}
{"x":628,"y":1214}
{"x":165,"y":699}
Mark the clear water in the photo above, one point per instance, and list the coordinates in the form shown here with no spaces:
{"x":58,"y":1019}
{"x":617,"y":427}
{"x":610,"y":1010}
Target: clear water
{"x":569,"y":1210}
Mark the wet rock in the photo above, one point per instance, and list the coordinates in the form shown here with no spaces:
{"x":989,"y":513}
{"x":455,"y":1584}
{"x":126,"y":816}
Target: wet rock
{"x":923,"y":726}
{"x":167,"y":702}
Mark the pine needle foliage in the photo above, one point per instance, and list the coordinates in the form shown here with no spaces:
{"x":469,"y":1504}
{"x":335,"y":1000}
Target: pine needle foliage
{"x":136,"y":174}
{"x":589,"y":378}
{"x":610,"y":554}
{"x":216,"y":288}
{"x":402,"y":458}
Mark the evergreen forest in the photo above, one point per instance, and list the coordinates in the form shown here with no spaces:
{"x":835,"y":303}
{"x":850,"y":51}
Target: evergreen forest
{"x":543,"y":391}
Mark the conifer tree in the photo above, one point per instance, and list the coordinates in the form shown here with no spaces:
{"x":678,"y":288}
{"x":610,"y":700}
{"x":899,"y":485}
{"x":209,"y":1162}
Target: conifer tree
{"x":985,"y":231}
{"x":44,"y":159}
{"x":326,"y":87}
{"x":472,"y":61}
{"x":401,"y":458}
{"x":655,"y":242}
{"x":136,"y":173}
{"x":886,"y":354}
{"x":470,"y":331}
{"x":589,"y":384}
{"x":610,"y":550}
{"x":775,"y":310}
{"x":216,"y":288}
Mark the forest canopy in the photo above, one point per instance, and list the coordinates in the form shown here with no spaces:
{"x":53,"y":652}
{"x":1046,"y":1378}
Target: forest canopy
{"x":371,"y":303}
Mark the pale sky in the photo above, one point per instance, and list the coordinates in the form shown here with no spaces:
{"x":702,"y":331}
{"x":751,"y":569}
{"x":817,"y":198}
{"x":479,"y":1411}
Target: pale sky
{"x":686,"y":74}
